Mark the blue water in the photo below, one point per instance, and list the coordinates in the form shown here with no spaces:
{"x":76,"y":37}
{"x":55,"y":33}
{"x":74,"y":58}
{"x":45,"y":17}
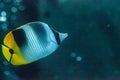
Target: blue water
{"x":92,"y":50}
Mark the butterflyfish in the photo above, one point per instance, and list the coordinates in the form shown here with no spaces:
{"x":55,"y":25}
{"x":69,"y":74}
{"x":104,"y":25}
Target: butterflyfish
{"x":31,"y":42}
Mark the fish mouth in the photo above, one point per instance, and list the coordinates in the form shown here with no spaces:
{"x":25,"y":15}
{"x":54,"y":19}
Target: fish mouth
{"x":11,"y":52}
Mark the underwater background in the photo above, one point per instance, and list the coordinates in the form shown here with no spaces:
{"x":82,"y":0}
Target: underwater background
{"x":91,"y":51}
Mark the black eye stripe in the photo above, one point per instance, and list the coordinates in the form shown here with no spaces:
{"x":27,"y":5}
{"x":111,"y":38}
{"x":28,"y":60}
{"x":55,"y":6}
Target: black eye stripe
{"x":20,"y":37}
{"x":11,"y":58}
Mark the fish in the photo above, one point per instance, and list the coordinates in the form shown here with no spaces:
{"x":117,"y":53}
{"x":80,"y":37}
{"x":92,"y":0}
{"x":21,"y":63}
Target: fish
{"x":31,"y":42}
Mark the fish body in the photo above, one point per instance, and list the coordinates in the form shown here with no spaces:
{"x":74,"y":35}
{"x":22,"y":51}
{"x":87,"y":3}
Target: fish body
{"x":30,"y":43}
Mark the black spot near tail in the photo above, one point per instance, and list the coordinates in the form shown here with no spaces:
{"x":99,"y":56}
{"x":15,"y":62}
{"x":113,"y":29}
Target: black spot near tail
{"x":57,"y":37}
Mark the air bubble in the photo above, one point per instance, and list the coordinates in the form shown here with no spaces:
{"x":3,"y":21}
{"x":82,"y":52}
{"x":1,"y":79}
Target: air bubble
{"x":21,"y":8}
{"x":7,"y":1}
{"x":5,"y":63}
{"x":3,"y":13}
{"x":14,"y":9}
{"x":7,"y":73}
{"x":73,"y":54}
{"x":78,"y":58}
{"x":13,"y":17}
{"x":62,"y":1}
{"x":2,"y":5}
{"x":108,"y":25}
{"x":18,"y":1}
{"x":4,"y":26}
{"x":3,"y":19}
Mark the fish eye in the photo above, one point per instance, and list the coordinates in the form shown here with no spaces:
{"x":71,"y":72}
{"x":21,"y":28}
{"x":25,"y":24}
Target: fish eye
{"x":11,"y":51}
